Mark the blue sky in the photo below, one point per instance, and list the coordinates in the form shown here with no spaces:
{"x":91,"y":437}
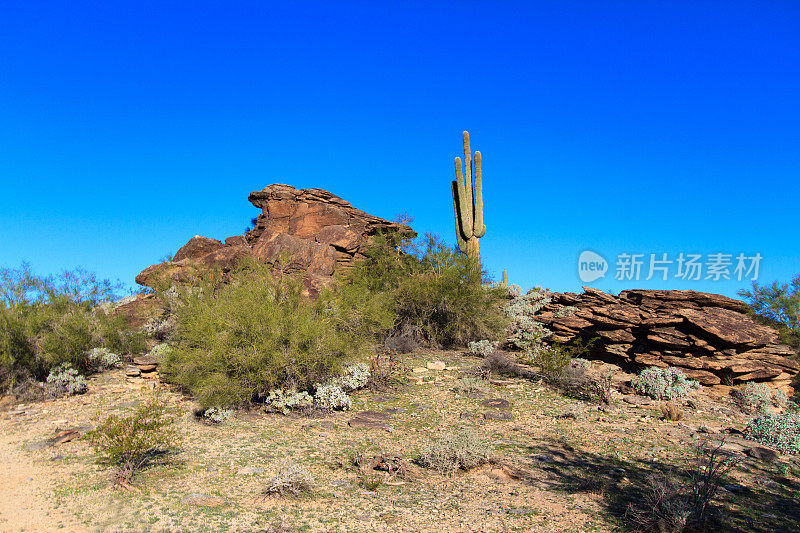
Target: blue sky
{"x":636,"y":126}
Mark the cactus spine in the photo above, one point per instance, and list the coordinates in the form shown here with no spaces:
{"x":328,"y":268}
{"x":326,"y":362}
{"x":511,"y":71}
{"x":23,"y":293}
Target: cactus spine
{"x":468,"y":204}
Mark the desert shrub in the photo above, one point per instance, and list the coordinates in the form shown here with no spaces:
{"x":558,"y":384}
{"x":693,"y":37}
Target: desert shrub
{"x":576,"y":380}
{"x":283,"y":402}
{"x":565,"y":310}
{"x":445,"y":302}
{"x":63,"y":379}
{"x":216,"y":414}
{"x":116,"y":335}
{"x":239,"y":340}
{"x":103,"y":358}
{"x":48,"y":321}
{"x":551,"y":360}
{"x":514,"y":290}
{"x":386,"y":371}
{"x":160,"y":328}
{"x":679,"y":504}
{"x":354,"y":377}
{"x":290,"y":480}
{"x":504,"y":363}
{"x":779,"y":431}
{"x":455,"y":450}
{"x":131,"y":443}
{"x":601,"y":387}
{"x":331,"y":396}
{"x":753,"y":397}
{"x":671,"y":412}
{"x":470,"y":386}
{"x":780,"y":397}
{"x":481,"y":348}
{"x":430,"y":291}
{"x":674,"y":504}
{"x":778,"y":305}
{"x":524,"y":330}
{"x":663,"y":383}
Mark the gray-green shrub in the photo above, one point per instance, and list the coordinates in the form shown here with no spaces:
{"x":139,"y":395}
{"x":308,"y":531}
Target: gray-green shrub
{"x":455,"y":450}
{"x":481,"y":348}
{"x":779,"y":431}
{"x":290,"y":480}
{"x":63,"y":379}
{"x":753,"y":397}
{"x":663,"y":383}
{"x":279,"y":401}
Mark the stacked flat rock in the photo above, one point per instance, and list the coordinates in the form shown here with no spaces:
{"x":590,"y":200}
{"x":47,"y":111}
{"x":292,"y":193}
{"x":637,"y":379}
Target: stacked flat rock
{"x":314,"y":230}
{"x":710,"y":337}
{"x":146,"y":365}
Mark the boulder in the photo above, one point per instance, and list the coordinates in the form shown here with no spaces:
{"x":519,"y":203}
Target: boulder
{"x":710,"y":337}
{"x":309,"y":231}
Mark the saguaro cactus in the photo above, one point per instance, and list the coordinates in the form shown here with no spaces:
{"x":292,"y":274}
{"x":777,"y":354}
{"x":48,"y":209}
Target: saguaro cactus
{"x":468,"y":205}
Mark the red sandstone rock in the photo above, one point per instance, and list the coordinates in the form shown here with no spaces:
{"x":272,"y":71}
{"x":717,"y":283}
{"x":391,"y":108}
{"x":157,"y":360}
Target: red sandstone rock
{"x":708,"y":336}
{"x":300,"y":230}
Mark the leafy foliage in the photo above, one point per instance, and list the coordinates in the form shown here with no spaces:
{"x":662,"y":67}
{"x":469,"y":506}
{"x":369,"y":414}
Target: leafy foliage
{"x":131,"y":443}
{"x":778,"y":305}
{"x":780,"y":431}
{"x":48,"y":321}
{"x":63,"y":379}
{"x":753,"y":397}
{"x":239,"y":340}
{"x":663,"y":383}
{"x":427,"y":291}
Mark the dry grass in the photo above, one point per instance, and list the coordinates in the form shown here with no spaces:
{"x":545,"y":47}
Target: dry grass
{"x":671,"y":412}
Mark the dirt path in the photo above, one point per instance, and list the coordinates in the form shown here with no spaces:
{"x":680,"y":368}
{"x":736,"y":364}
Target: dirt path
{"x":26,"y":502}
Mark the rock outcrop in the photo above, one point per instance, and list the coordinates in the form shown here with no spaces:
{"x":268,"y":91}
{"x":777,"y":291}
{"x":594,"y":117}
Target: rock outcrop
{"x":708,"y":336}
{"x":302,"y":230}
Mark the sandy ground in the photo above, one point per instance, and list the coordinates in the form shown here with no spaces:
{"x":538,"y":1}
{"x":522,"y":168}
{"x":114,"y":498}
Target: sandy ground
{"x":557,"y":473}
{"x":26,"y":502}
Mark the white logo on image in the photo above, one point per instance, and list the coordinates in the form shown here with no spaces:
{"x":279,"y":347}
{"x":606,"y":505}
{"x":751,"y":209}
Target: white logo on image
{"x":591,"y":266}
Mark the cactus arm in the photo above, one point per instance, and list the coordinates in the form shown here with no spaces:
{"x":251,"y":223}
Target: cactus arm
{"x":462,"y":244}
{"x":478,"y":227}
{"x":468,"y":206}
{"x":464,"y":188}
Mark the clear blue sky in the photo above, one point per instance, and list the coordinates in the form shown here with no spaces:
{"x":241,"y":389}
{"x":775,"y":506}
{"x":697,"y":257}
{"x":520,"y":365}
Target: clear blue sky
{"x":630,"y":126}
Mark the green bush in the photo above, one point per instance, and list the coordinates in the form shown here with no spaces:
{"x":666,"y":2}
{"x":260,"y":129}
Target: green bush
{"x":131,"y":443}
{"x":239,"y":340}
{"x":48,"y":321}
{"x":428,"y":292}
{"x":778,"y":305}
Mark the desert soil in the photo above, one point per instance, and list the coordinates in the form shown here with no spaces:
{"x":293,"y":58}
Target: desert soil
{"x":560,"y":464}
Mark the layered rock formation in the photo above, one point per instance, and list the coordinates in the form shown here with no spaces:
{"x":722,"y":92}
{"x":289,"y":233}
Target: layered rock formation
{"x":302,"y":230}
{"x":708,"y":336}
